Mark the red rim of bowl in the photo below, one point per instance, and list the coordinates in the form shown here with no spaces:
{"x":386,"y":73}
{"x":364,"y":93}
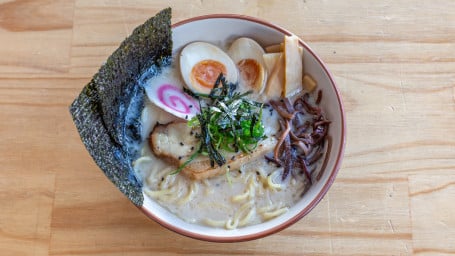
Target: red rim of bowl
{"x":321,"y":193}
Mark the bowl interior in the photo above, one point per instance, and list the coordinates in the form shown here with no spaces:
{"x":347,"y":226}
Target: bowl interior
{"x":221,"y":30}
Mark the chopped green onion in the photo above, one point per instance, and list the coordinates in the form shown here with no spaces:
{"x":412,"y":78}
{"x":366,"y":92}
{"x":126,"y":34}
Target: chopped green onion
{"x":228,"y":120}
{"x":189,"y":160}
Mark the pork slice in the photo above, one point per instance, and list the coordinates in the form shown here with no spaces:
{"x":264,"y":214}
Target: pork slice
{"x":200,"y":168}
{"x":176,"y":142}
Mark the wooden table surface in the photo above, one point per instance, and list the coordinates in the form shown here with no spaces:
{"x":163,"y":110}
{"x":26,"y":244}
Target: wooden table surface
{"x":394,"y":62}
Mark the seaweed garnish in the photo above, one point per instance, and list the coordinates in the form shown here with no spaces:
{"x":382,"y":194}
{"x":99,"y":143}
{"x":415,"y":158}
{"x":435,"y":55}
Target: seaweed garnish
{"x":107,"y":111}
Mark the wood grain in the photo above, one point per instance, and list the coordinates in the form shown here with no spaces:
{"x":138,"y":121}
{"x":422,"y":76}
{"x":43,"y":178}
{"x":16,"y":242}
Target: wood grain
{"x":429,"y":196}
{"x":394,"y":62}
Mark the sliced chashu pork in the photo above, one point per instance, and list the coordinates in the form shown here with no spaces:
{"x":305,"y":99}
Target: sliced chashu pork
{"x":175,"y":142}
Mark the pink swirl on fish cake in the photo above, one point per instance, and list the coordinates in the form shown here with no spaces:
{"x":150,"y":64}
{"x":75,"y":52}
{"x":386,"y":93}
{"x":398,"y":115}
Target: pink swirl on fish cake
{"x":174,"y":98}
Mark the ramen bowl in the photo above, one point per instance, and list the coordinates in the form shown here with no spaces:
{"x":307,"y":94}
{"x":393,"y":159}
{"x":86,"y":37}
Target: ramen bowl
{"x":222,"y":28}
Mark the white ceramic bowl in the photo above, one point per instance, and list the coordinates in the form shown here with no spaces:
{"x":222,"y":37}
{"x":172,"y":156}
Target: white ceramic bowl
{"x":219,"y":29}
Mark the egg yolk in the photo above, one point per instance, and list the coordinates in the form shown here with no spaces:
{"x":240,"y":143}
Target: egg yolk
{"x":207,"y":71}
{"x":249,"y":70}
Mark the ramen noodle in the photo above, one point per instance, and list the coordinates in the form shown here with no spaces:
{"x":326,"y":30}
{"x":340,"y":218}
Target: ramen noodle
{"x":255,"y":192}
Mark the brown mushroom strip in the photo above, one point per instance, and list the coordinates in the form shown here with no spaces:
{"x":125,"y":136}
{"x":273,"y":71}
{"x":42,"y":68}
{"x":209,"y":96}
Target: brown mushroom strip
{"x":302,"y":128}
{"x":288,"y":160}
{"x":305,"y":170}
{"x":303,"y":132}
{"x":273,"y":160}
{"x":322,"y":122}
{"x":283,"y":136}
{"x":288,"y":105}
{"x":319,"y":134}
{"x":294,"y":137}
{"x":307,"y":106}
{"x":315,"y":157}
{"x":319,"y":98}
{"x":306,"y":149}
{"x":282,"y":110}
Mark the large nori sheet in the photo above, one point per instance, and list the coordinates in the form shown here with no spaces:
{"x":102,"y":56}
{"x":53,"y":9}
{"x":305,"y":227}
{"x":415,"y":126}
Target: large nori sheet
{"x":107,"y":111}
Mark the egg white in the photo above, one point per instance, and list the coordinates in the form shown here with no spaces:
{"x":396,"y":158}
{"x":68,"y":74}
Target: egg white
{"x":196,"y":52}
{"x":246,"y":48}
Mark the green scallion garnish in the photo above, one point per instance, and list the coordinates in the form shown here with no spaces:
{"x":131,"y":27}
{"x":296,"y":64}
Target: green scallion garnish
{"x":228,"y":120}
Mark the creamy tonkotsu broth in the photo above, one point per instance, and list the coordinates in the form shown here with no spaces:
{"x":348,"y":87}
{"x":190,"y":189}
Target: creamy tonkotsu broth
{"x":249,"y":195}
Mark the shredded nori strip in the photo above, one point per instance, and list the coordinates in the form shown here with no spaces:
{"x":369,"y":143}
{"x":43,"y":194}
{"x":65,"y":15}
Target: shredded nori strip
{"x":107,"y":112}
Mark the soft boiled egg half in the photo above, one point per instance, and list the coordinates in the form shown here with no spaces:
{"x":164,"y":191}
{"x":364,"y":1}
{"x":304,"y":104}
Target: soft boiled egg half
{"x":247,"y":54}
{"x":201,"y":63}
